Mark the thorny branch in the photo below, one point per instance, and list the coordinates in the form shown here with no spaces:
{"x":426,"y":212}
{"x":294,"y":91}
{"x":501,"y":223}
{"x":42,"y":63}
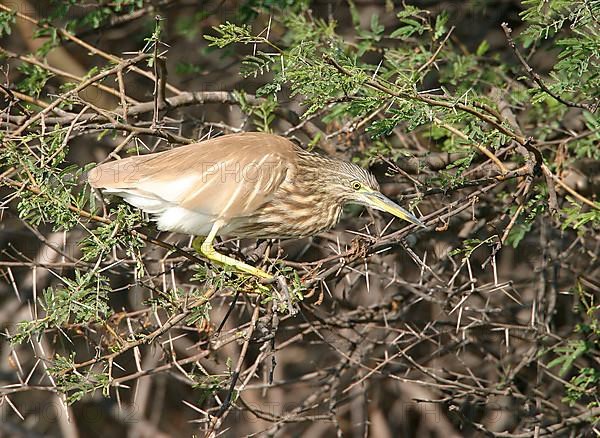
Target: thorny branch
{"x":538,"y":79}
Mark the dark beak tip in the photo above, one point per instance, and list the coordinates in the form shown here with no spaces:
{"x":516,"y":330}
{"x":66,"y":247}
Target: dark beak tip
{"x":419,"y":223}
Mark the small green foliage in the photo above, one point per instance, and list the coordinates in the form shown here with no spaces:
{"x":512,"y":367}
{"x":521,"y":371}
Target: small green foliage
{"x":381,"y":146}
{"x":282,"y":303}
{"x":222,"y":277}
{"x":34,"y":79}
{"x":51,"y":40}
{"x":250,"y":9}
{"x":412,"y":21}
{"x":153,"y":41}
{"x":81,"y":300}
{"x":74,"y":384}
{"x":7,"y":19}
{"x":230,"y":33}
{"x":257,"y":64}
{"x":576,"y":216}
{"x":575,"y":75}
{"x":470,"y":245}
{"x":482,"y":49}
{"x":534,"y":207}
{"x":199,"y":313}
{"x":584,"y":384}
{"x":68,"y":11}
{"x":117,"y":233}
{"x":228,"y":279}
{"x":263,"y":113}
{"x":587,"y":146}
{"x":175,"y":301}
{"x":209,"y":385}
{"x":517,"y":233}
{"x":441,"y":25}
{"x":568,"y":355}
{"x":55,"y":192}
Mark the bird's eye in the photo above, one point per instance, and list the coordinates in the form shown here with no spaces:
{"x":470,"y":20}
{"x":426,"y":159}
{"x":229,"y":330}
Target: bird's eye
{"x":356,"y":185}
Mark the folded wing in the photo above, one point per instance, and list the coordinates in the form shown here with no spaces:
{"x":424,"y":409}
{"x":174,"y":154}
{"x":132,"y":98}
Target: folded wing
{"x":189,"y":187}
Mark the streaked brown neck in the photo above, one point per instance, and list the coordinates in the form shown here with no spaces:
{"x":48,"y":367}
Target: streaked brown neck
{"x":296,"y":199}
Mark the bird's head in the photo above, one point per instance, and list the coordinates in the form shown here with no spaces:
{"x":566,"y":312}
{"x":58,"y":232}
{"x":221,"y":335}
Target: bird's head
{"x":356,"y":185}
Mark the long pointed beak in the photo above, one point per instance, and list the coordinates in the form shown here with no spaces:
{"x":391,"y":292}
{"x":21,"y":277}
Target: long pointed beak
{"x":381,"y":202}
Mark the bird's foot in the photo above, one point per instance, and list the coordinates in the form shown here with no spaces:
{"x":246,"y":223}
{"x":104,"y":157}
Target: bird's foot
{"x":282,"y":296}
{"x":206,"y":249}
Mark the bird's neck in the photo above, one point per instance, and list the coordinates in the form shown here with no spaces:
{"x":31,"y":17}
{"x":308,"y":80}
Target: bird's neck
{"x":304,"y":202}
{"x":306,"y":209}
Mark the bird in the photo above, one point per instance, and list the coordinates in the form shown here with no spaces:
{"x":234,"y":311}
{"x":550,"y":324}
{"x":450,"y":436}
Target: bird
{"x":243,"y":185}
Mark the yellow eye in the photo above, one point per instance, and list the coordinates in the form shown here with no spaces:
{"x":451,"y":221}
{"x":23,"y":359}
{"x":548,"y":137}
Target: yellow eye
{"x":356,"y":185}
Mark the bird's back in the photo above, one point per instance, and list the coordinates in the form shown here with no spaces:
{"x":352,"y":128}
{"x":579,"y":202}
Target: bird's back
{"x":189,"y":187}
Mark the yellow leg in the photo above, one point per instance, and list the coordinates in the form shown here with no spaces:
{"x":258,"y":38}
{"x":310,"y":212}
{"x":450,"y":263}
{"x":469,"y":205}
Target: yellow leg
{"x":211,"y":253}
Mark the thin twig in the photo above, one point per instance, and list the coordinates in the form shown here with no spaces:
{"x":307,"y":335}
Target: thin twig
{"x":537,"y":78}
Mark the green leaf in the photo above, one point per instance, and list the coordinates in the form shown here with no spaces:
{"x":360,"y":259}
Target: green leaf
{"x":482,"y":48}
{"x":568,"y":355}
{"x":7,"y":19}
{"x":517,"y":233}
{"x":440,"y":25}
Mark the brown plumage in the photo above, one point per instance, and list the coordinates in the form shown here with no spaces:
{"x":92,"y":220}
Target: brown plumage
{"x":244,"y":185}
